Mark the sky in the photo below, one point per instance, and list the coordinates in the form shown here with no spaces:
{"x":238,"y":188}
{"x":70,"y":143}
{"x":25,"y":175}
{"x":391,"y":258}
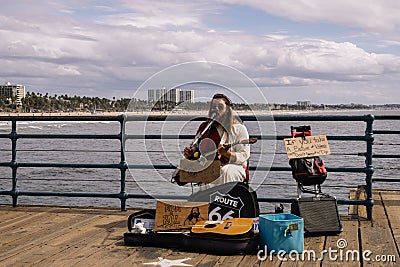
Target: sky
{"x":331,"y":52}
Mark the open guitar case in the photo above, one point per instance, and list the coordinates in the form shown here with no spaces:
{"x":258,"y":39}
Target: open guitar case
{"x":218,"y":244}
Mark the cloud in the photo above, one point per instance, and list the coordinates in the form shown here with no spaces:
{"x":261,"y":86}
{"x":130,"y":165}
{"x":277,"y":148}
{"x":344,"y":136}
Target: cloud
{"x":159,"y":14}
{"x":104,"y":48}
{"x":374,"y":15}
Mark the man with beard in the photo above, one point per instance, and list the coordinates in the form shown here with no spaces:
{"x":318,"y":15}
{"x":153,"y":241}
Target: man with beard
{"x":226,"y":129}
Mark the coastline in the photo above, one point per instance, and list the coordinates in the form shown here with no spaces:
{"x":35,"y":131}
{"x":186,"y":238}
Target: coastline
{"x":189,"y":112}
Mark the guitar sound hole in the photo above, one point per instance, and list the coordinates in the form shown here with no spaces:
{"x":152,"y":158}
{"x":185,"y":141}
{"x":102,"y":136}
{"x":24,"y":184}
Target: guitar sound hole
{"x":210,"y":225}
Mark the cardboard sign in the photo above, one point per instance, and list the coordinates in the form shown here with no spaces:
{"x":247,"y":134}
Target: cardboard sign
{"x":193,"y":171}
{"x":308,"y":146}
{"x":174,"y":215}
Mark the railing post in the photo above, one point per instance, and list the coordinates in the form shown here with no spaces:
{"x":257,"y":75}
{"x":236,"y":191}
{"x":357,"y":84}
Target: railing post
{"x":124,"y":165}
{"x":13,"y":137}
{"x":369,"y":134}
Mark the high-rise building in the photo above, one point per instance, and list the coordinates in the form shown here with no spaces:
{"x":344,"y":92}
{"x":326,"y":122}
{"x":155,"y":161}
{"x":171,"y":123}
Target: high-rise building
{"x":173,"y":95}
{"x":9,"y":90}
{"x":154,"y":95}
{"x":187,"y":96}
{"x":303,"y":104}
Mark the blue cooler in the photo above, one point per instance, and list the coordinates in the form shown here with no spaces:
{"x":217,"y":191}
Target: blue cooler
{"x":281,"y":231}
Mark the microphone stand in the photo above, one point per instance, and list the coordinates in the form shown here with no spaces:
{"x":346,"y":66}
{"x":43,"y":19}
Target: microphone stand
{"x":199,"y":135}
{"x":175,"y":175}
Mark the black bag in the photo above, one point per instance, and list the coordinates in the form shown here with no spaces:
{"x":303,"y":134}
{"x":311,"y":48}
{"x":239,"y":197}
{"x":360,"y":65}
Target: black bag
{"x":308,"y":171}
{"x":234,"y":200}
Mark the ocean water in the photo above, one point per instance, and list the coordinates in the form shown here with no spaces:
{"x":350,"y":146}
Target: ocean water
{"x":157,"y":182}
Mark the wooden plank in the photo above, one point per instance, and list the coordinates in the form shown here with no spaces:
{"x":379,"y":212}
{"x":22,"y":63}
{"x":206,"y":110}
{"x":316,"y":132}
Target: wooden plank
{"x":143,"y":255}
{"x":311,"y":245}
{"x":314,"y":244}
{"x":250,"y":261}
{"x":16,"y":217}
{"x":135,"y":258}
{"x":233,"y":260}
{"x":209,"y":260}
{"x":50,"y":243}
{"x":195,"y":258}
{"x":191,"y":258}
{"x":93,"y":237}
{"x":377,"y":238}
{"x":362,"y":210}
{"x":270,"y":261}
{"x":8,"y":215}
{"x":32,"y":225}
{"x":344,"y":244}
{"x":388,"y":192}
{"x":391,"y":203}
{"x":69,"y":249}
{"x":113,"y":255}
{"x":353,"y":209}
{"x":19,"y":240}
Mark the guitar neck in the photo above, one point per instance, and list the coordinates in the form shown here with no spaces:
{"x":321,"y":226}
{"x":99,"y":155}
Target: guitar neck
{"x":228,"y":146}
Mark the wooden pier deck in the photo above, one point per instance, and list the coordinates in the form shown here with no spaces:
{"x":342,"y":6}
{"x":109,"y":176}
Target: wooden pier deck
{"x":59,"y":236}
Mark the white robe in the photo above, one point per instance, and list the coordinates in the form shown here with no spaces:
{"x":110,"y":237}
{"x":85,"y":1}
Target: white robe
{"x":235,"y":171}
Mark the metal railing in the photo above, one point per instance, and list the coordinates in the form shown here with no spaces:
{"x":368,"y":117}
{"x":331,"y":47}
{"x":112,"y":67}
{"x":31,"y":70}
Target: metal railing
{"x":394,"y":134}
{"x":122,"y":166}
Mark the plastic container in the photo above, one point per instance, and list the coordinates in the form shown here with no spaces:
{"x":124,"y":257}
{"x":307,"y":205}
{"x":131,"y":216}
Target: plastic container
{"x":282,"y":232}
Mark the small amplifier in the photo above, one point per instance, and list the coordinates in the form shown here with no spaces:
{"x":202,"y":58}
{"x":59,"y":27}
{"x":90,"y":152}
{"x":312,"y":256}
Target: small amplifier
{"x":320,"y":215}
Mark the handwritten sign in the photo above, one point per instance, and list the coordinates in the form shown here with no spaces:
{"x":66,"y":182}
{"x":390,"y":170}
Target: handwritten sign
{"x":308,"y":146}
{"x":194,"y":172}
{"x":173,"y":215}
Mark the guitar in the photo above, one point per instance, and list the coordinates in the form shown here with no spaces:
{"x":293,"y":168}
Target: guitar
{"x":234,"y":227}
{"x":251,"y":140}
{"x":202,"y":159}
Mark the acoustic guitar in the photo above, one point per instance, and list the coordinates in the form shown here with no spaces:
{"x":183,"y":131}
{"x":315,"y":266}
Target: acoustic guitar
{"x":203,"y":170}
{"x":250,"y":141}
{"x":234,"y":227}
{"x":203,"y":157}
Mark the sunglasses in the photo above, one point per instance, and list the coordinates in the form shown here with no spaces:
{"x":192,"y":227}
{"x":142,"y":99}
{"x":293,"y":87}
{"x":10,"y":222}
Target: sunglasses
{"x":219,"y":106}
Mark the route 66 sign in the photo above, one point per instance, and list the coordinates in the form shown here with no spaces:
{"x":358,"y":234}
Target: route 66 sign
{"x":224,"y":206}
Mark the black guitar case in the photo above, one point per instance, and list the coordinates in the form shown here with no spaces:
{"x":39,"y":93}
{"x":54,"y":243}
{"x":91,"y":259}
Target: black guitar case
{"x":198,"y":244}
{"x":236,"y":200}
{"x":229,"y":200}
{"x":185,"y":241}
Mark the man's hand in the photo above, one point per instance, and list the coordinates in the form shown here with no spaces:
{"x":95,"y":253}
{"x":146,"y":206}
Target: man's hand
{"x":188,"y":152}
{"x":223,"y":151}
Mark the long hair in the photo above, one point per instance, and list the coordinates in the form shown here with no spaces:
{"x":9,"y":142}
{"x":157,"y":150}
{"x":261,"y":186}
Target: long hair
{"x":228,"y":119}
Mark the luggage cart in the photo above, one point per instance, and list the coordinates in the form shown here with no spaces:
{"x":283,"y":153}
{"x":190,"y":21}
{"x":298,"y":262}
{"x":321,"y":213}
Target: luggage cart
{"x":315,"y":182}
